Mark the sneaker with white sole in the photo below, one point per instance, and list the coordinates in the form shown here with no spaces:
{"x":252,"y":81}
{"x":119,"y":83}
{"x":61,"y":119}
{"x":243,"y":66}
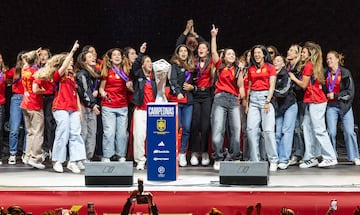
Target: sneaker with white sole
{"x":327,"y":163}
{"x":194,"y":159}
{"x":106,"y":160}
{"x":294,"y":160}
{"x":0,"y":162}
{"x":73,"y":167}
{"x":283,"y":165}
{"x":37,"y":165}
{"x":24,"y":158}
{"x":309,"y":163}
{"x":356,"y":162}
{"x":273,"y":167}
{"x":140,"y":165}
{"x":216,"y":165}
{"x":182,"y":160}
{"x":205,"y":160}
{"x":12,"y":160}
{"x":122,"y":159}
{"x":80,"y":164}
{"x":57,"y":166}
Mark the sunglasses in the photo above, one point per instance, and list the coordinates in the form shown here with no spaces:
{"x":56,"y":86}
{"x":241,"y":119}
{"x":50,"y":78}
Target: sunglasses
{"x":271,"y":52}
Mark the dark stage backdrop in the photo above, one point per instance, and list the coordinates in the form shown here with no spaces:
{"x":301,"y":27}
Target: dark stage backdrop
{"x":30,"y":24}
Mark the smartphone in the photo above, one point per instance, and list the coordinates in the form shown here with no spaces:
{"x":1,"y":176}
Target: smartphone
{"x":333,"y":204}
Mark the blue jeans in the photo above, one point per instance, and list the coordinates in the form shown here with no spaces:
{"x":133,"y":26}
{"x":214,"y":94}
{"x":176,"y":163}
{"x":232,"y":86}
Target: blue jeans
{"x":68,"y":130}
{"x":115,"y":137}
{"x":16,"y":116}
{"x":347,"y":119}
{"x":257,"y":115}
{"x":225,"y":108}
{"x":316,"y":138}
{"x":185,"y":116}
{"x":285,"y":125}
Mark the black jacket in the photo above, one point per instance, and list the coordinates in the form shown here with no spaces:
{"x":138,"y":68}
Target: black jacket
{"x":177,"y":80}
{"x":284,"y":93}
{"x":86,"y":85}
{"x":139,"y":80}
{"x":347,"y":90}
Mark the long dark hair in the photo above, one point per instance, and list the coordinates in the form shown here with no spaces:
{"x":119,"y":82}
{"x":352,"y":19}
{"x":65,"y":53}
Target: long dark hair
{"x":267,"y":58}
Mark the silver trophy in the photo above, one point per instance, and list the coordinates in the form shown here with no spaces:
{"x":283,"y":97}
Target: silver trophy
{"x":161,"y":69}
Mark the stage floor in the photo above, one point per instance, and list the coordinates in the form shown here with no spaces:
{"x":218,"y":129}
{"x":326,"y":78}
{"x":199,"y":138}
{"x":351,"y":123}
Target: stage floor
{"x":343,"y":177}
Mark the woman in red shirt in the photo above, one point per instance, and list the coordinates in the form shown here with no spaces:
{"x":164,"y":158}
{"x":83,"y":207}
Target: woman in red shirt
{"x":228,"y":88}
{"x":262,"y":77}
{"x":316,"y":138}
{"x":113,"y":90}
{"x":32,"y":107}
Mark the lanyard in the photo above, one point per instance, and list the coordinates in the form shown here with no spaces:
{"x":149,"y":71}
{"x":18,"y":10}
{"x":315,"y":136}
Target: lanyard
{"x":187,"y":76}
{"x":331,"y":83}
{"x":121,"y":73}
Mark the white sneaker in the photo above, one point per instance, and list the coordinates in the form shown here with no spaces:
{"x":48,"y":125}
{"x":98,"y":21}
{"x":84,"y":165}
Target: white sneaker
{"x":273,"y":167}
{"x":37,"y":165}
{"x":309,"y":163}
{"x":24,"y":158}
{"x":216,"y":165}
{"x":356,"y":161}
{"x":140,"y":165}
{"x":182,"y":159}
{"x":80,"y":165}
{"x":122,"y":159}
{"x":106,"y":160}
{"x":0,"y":162}
{"x":73,"y":167}
{"x":205,"y":160}
{"x":326,"y":163}
{"x":58,"y":167}
{"x":194,"y":159}
{"x":294,"y":160}
{"x":283,"y":165}
{"x":12,"y":160}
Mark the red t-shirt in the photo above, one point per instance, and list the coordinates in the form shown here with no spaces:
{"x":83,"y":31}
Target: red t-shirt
{"x":116,"y":90}
{"x":226,"y":80}
{"x":204,"y":75}
{"x":148,"y":96}
{"x":260,"y":78}
{"x":2,"y":87}
{"x":32,"y":101}
{"x":17,"y":87}
{"x":336,"y":83}
{"x":313,"y":92}
{"x":66,"y":95}
{"x":49,"y":87}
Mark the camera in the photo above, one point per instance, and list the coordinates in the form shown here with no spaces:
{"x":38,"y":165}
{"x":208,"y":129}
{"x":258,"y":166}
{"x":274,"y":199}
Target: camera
{"x":142,"y":197}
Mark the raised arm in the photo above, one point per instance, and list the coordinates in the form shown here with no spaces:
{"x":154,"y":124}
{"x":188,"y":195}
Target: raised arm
{"x":68,"y":58}
{"x":214,"y":54}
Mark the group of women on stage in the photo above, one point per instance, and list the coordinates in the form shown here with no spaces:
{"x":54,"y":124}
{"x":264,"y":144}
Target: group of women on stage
{"x":258,"y":106}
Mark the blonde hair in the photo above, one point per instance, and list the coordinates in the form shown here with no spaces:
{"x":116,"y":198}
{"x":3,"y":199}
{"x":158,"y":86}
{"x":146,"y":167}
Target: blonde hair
{"x":315,"y":57}
{"x":53,"y":64}
{"x":30,"y":57}
{"x":125,"y":63}
{"x":339,"y":56}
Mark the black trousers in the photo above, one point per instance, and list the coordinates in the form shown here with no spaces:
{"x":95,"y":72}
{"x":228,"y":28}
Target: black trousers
{"x":49,"y":123}
{"x":200,"y":125}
